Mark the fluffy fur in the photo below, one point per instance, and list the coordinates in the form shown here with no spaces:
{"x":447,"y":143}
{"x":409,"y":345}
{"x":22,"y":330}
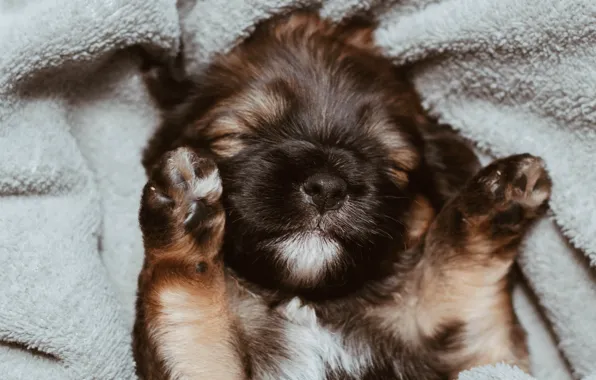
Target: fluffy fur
{"x":404,"y":275}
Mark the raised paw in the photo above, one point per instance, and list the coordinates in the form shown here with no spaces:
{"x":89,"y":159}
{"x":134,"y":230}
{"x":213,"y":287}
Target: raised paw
{"x":181,"y":198}
{"x":510,"y":192}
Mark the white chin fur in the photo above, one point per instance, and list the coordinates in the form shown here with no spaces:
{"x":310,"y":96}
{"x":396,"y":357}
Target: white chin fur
{"x":307,"y":256}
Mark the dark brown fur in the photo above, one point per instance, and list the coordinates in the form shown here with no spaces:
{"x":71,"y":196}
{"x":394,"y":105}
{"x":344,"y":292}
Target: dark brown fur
{"x":441,"y":305}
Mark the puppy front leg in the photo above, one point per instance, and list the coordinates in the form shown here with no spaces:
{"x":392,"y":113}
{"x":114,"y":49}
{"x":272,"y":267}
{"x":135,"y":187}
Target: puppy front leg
{"x":184,"y":329}
{"x":463,"y":304}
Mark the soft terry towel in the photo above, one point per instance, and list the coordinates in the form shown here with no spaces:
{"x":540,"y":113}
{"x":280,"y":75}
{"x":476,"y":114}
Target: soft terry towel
{"x":73,"y":116}
{"x":510,"y":75}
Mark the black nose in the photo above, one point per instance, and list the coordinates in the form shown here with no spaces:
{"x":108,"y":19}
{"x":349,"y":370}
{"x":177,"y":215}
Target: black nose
{"x":326,"y":191}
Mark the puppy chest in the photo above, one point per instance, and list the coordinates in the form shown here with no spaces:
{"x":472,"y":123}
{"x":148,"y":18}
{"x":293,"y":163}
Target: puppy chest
{"x":311,"y":351}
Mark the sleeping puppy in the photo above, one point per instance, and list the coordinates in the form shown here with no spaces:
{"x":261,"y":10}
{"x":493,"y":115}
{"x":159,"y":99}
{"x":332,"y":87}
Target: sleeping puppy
{"x":304,"y":220}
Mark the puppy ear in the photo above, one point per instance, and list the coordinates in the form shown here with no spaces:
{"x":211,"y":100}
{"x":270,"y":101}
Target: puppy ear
{"x":450,"y":158}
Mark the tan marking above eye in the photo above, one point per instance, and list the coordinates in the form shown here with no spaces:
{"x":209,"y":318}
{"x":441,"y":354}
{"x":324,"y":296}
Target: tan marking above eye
{"x":226,"y":125}
{"x":241,"y":114}
{"x":405,"y":158}
{"x":259,"y":104}
{"x":227,"y":146}
{"x":224,"y":134}
{"x":247,"y":110}
{"x":400,"y":177}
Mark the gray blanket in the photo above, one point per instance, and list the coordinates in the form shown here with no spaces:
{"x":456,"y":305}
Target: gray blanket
{"x":510,"y":75}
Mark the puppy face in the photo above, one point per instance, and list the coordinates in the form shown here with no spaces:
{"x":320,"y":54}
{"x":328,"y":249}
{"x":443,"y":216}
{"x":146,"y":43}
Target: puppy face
{"x":319,"y":189}
{"x":321,"y":159}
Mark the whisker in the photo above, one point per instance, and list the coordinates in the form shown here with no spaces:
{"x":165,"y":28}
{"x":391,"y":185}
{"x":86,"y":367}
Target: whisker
{"x":395,"y":220}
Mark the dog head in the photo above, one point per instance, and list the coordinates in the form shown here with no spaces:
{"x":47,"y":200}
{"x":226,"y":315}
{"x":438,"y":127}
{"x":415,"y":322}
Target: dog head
{"x":319,"y":148}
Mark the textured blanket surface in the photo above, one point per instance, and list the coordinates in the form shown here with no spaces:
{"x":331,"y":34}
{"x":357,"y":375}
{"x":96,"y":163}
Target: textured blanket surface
{"x":513,"y":76}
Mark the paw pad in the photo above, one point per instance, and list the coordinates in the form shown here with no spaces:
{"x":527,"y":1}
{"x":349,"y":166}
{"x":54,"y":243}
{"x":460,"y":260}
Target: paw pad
{"x":184,"y":186}
{"x":517,"y":183}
